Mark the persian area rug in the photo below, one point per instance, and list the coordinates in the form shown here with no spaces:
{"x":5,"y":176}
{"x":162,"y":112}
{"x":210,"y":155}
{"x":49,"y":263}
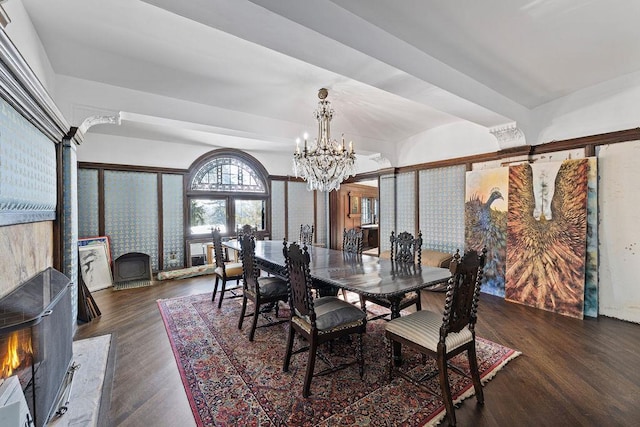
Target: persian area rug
{"x":230,"y":381}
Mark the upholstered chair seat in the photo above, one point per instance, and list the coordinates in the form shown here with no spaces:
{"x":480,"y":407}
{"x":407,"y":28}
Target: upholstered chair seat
{"x":423,"y":328}
{"x":332,"y":312}
{"x":272,"y":286}
{"x":231,"y":269}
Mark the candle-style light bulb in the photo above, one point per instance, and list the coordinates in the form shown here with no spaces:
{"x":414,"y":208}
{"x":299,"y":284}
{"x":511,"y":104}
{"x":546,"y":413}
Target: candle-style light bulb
{"x":351,"y":146}
{"x":298,"y":145}
{"x":306,"y":135}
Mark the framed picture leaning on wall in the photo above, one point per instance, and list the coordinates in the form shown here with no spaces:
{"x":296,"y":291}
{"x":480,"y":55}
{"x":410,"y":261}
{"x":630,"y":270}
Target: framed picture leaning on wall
{"x":94,"y":266}
{"x":100,"y":240}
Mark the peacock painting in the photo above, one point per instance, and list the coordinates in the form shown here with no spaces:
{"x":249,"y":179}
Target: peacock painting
{"x":486,"y":223}
{"x":546,"y":236}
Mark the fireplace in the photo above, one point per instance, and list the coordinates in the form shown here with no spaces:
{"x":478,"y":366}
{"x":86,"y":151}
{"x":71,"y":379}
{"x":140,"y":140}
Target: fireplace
{"x":132,"y":266}
{"x":36,"y":340}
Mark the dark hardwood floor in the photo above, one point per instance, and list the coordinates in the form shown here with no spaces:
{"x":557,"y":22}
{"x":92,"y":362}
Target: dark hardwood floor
{"x":571,"y":373}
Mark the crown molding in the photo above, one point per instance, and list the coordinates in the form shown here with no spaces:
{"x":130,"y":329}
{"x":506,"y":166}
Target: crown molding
{"x":21,"y":88}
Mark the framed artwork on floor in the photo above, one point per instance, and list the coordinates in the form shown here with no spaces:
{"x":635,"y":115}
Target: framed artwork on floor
{"x":100,"y":240}
{"x":94,"y":266}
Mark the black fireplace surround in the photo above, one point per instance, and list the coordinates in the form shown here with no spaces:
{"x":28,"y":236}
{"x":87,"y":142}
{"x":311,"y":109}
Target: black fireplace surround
{"x":40,"y":310}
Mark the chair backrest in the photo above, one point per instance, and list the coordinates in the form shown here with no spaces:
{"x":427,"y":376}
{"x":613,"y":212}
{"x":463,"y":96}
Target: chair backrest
{"x":218,"y":253}
{"x":306,"y":234}
{"x":246,"y":229}
{"x":405,"y":248}
{"x":250,"y":270}
{"x":299,"y":281}
{"x":352,"y":240}
{"x":463,"y":291}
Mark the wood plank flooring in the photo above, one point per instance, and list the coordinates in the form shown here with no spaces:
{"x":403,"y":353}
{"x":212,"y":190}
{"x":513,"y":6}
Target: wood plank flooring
{"x":571,"y":373}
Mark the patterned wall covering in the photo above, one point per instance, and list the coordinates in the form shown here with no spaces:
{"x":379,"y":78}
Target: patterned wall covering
{"x":70,"y":222}
{"x":27,"y":170}
{"x":277,"y":210}
{"x":300,"y":209}
{"x":321,"y":217}
{"x":88,"y":203}
{"x":173,"y":221}
{"x":442,"y":208}
{"x":131,"y":213}
{"x":406,"y":202}
{"x":387,"y":210}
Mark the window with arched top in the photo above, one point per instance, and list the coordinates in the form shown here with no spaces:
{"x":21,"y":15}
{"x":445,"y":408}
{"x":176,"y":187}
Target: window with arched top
{"x":226,"y":189}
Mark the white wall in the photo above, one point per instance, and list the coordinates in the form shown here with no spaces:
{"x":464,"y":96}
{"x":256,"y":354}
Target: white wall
{"x":607,"y":107}
{"x":619,"y":231}
{"x":445,"y":142}
{"x":21,"y":32}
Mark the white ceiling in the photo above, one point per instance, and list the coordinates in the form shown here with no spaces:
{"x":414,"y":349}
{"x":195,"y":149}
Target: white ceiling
{"x":250,"y":70}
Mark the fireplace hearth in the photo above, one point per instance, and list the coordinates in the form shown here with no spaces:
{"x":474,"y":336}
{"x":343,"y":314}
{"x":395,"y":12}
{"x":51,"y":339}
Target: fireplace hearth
{"x":36,"y":342}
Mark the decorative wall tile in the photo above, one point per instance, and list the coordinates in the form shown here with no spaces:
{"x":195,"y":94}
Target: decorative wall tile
{"x":70,"y":222}
{"x":131,"y":213}
{"x":387,"y":210}
{"x":172,"y":221}
{"x":27,"y":170}
{"x":406,"y":203}
{"x":277,"y":210}
{"x":300,"y":209}
{"x":88,"y":218}
{"x":321,"y":217}
{"x":442,"y":208}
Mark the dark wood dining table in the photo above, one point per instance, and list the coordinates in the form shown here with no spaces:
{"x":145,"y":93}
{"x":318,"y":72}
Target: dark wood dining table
{"x":362,"y":274}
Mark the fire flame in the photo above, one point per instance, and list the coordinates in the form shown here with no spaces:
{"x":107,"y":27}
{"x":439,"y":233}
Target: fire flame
{"x":12,"y":358}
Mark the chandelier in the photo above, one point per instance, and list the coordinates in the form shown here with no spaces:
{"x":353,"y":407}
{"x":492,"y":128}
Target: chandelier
{"x":327,"y":163}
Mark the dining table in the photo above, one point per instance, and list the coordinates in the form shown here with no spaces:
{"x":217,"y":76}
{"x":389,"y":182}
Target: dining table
{"x":365,"y":275}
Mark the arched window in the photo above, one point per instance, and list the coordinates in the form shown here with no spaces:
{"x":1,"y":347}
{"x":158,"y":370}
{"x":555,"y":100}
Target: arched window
{"x":226,"y":189}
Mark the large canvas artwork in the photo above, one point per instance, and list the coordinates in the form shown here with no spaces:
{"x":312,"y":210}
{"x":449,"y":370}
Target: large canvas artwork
{"x":546,"y":235}
{"x":486,"y":204}
{"x":591,"y":280}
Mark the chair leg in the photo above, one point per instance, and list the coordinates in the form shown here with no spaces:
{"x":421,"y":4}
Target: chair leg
{"x":254,"y":322}
{"x":419,"y":302}
{"x":360,"y":355}
{"x":311,"y":364}
{"x":392,"y":363}
{"x":446,"y":389}
{"x":363,"y":304}
{"x":222,"y":289}
{"x":243,"y":310}
{"x":215,"y":289}
{"x":475,"y":373}
{"x":287,"y":354}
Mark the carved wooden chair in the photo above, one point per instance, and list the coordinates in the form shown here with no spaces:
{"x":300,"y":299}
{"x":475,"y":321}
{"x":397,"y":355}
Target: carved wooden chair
{"x":444,"y":336}
{"x":225,"y":271}
{"x":352,"y":241}
{"x":246,"y":229}
{"x":317,"y":320}
{"x":352,"y":244}
{"x":405,"y":255}
{"x":260,"y":290}
{"x":306,"y":234}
